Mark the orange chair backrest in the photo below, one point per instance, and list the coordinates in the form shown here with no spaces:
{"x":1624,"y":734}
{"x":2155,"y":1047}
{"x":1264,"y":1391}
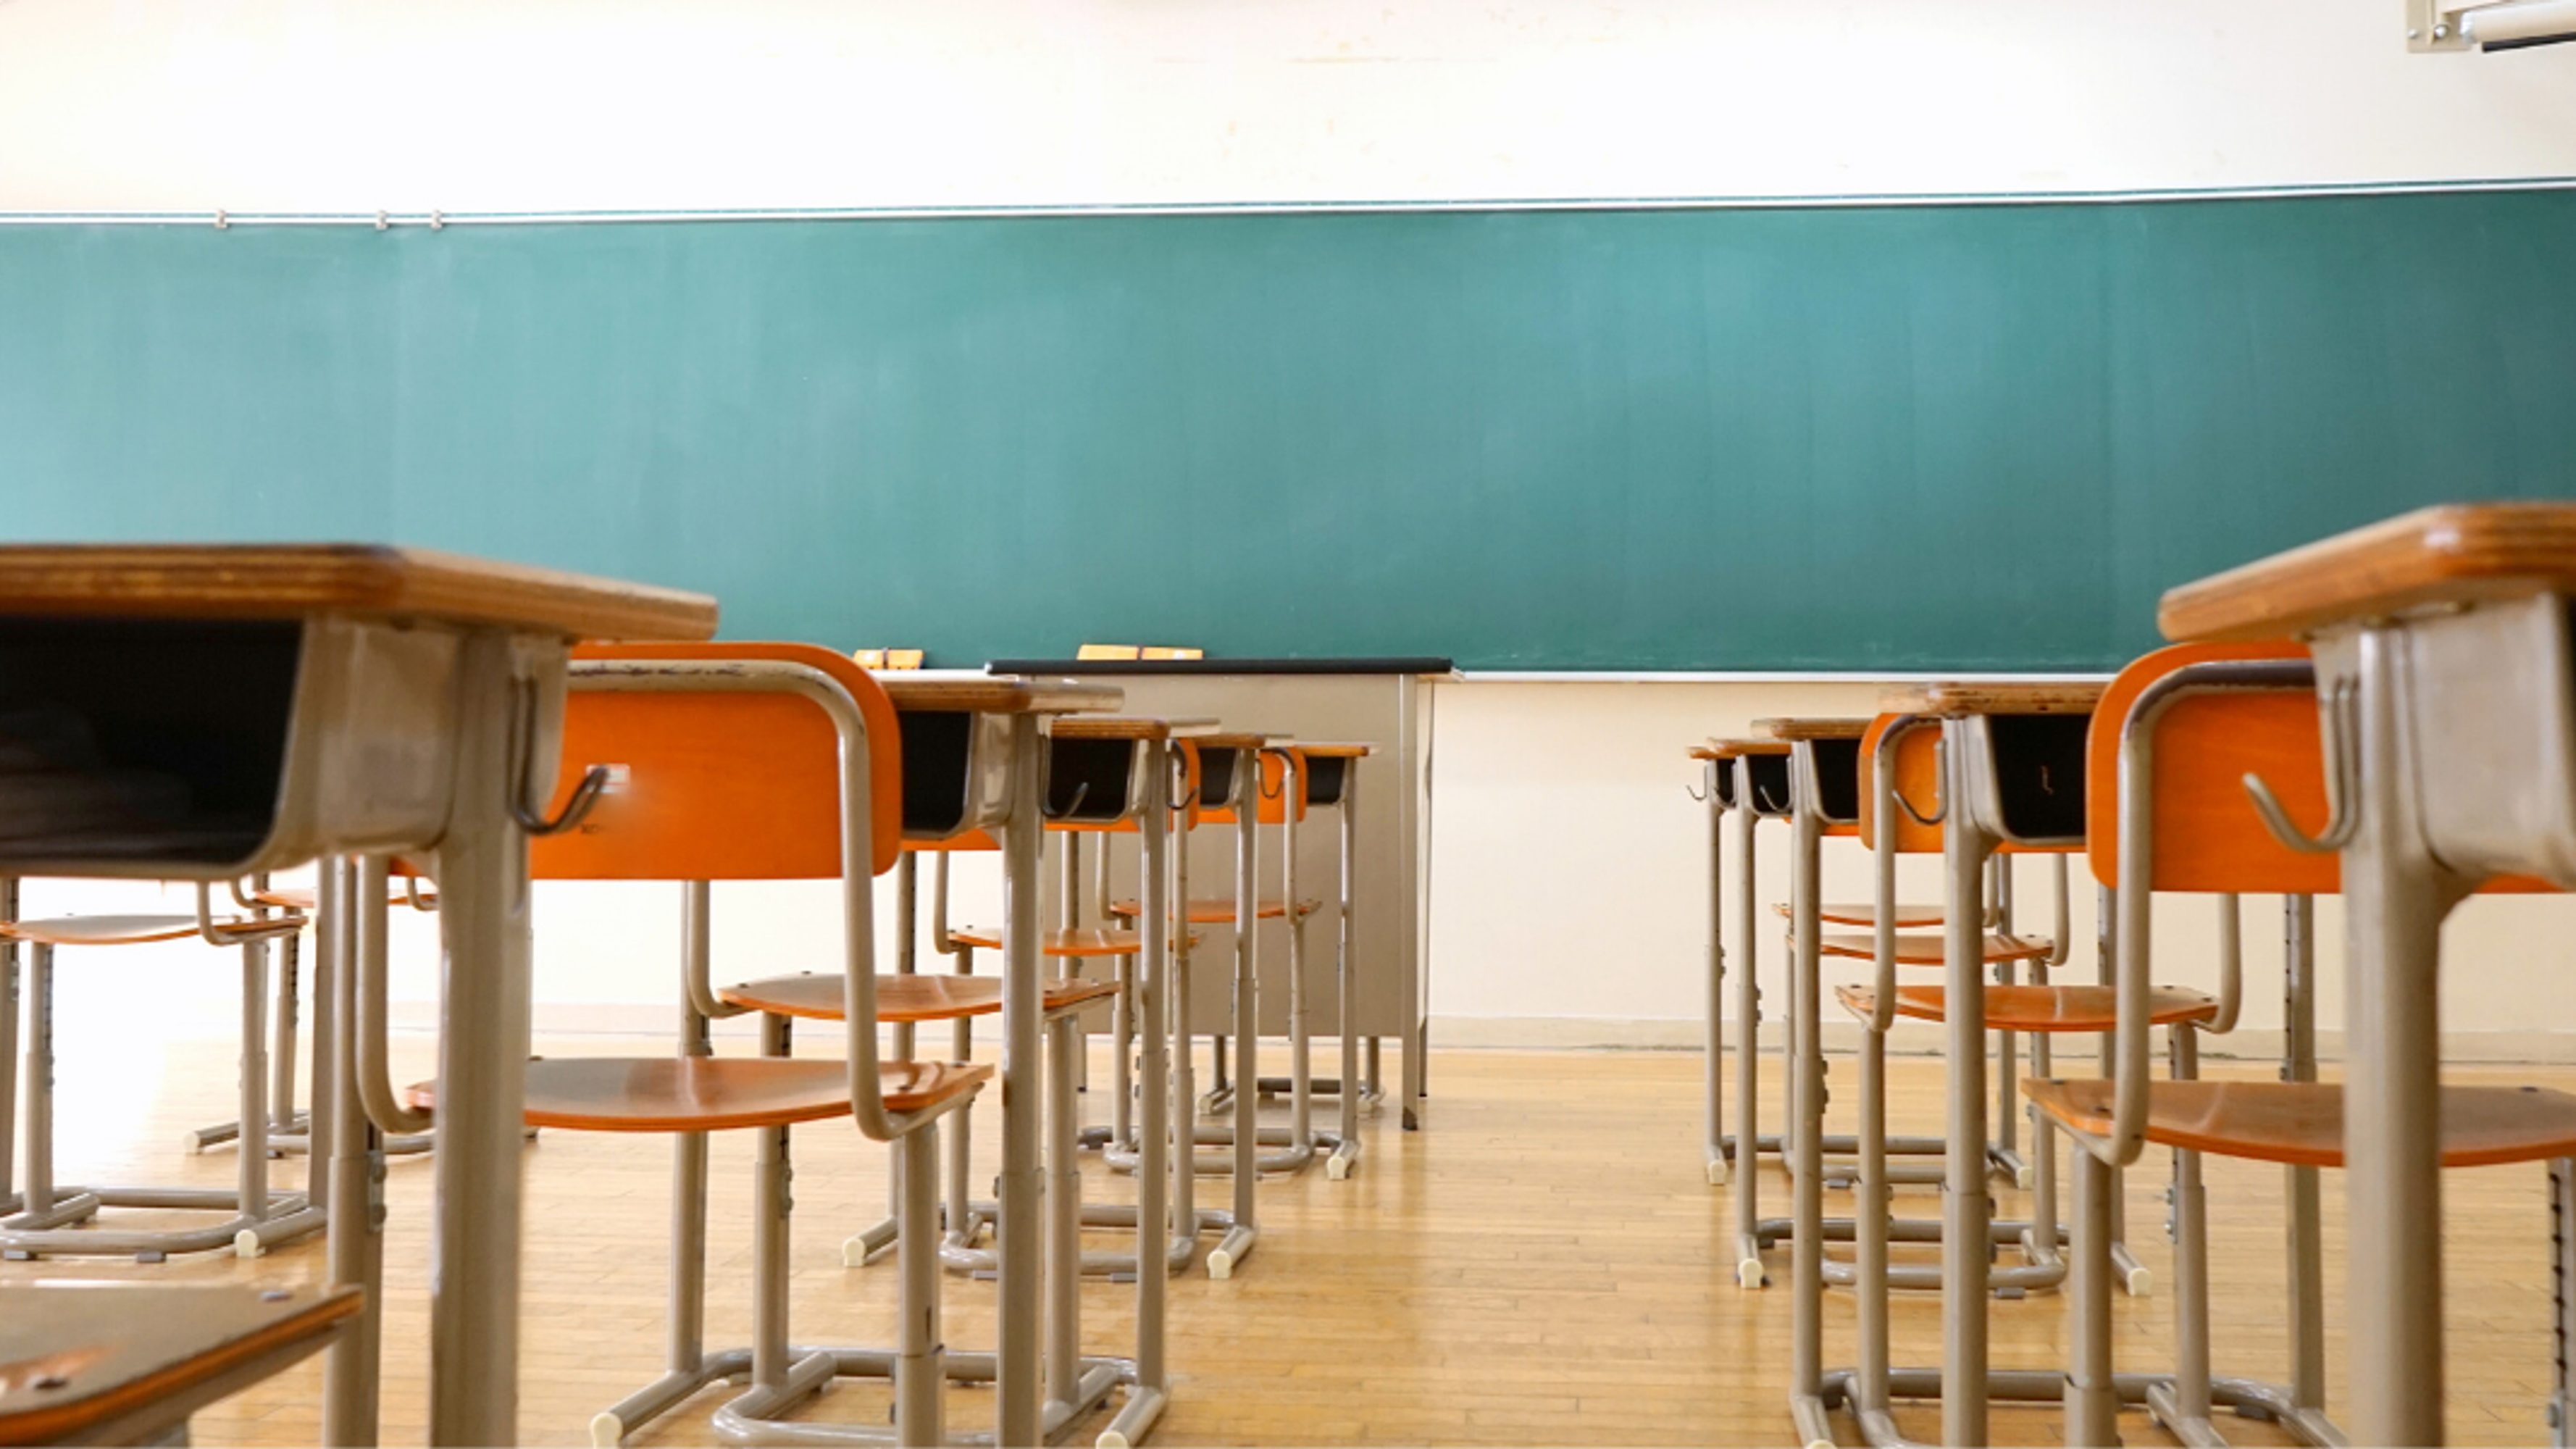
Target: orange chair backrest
{"x":2207,"y":834}
{"x":720,"y":786}
{"x":1918,"y":764}
{"x":1273,"y":794}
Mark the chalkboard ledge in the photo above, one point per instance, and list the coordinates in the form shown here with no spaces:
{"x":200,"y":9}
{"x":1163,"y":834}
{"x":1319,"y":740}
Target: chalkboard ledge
{"x":1402,"y":664}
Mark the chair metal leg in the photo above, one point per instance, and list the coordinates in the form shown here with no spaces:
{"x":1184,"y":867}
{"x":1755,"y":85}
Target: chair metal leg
{"x":1064,"y":1210}
{"x":1805,"y":1135}
{"x":2092,"y":1399}
{"x":920,"y":1373}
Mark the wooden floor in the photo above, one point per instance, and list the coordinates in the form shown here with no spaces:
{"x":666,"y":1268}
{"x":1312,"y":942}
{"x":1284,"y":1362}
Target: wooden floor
{"x":1544,"y":1266}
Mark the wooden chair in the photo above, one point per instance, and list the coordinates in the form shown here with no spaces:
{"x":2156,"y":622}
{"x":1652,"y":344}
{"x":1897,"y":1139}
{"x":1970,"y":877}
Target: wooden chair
{"x":291,"y":1131}
{"x":2445,"y":668}
{"x":1822,"y":787}
{"x":48,"y":1217}
{"x":1134,"y":749}
{"x":2010,"y":774}
{"x":1296,"y":778}
{"x":753,"y":762}
{"x":1223,"y":911}
{"x":1221,"y":771}
{"x":2178,"y":734}
{"x":128,"y":1363}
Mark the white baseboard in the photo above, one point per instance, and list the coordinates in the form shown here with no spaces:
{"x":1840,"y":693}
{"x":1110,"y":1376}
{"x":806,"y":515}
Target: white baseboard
{"x":1924,"y":1039}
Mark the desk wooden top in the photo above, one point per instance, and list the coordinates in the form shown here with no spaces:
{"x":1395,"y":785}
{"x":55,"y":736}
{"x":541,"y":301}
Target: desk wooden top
{"x":290,"y":581}
{"x":998,"y":696}
{"x":1124,"y":727}
{"x":2454,"y":553}
{"x":1813,"y":729}
{"x":77,"y":1355}
{"x":1335,"y":750}
{"x":1729,"y":749}
{"x":1951,"y":697}
{"x":1236,"y":740}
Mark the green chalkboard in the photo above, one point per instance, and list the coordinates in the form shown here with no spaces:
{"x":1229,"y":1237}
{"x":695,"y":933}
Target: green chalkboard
{"x":1890,"y":437}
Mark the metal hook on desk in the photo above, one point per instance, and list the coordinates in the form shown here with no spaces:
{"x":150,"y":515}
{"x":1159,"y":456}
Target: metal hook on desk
{"x":1763,"y":798}
{"x":1190,"y":796}
{"x":530,"y":818}
{"x":1081,"y":792}
{"x":1697,"y":796}
{"x":2343,"y":782}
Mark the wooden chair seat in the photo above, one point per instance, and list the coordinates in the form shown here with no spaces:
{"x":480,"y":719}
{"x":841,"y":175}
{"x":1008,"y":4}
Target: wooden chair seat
{"x":2041,"y":1008}
{"x":1212,"y":912}
{"x":711,"y":1094}
{"x":1864,"y":913}
{"x":1082,"y":941}
{"x":1926,"y":949}
{"x":123,"y":930}
{"x":2301,"y":1123}
{"x":929,"y":996}
{"x":124,"y":1363}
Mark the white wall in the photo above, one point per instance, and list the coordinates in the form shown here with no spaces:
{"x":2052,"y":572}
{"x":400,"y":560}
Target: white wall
{"x":1570,"y":898}
{"x":1568,"y":909}
{"x":335,"y":105}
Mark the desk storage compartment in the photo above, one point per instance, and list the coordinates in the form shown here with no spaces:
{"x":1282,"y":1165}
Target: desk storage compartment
{"x":2493,"y":712}
{"x":202,"y":749}
{"x":137,"y":738}
{"x":1770,"y":784}
{"x":2026,"y":776}
{"x":1094,"y":782}
{"x":1219,"y":780}
{"x":956,"y":772}
{"x":1837,"y":780}
{"x":1325,"y":776}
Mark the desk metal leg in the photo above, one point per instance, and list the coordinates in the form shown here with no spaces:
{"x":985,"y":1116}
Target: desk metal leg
{"x":2394,"y":899}
{"x":1806,"y":1125}
{"x":1748,"y":1056}
{"x":8,"y":1052}
{"x":1346,"y":1152}
{"x":1244,"y":1232}
{"x":1155,"y":1227}
{"x":354,"y":1152}
{"x":482,"y":1071}
{"x":1966,"y":1210}
{"x":1713,"y":1049}
{"x":1019,"y":1234}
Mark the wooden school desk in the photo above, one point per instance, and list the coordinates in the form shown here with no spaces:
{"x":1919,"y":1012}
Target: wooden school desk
{"x":2446,"y":695}
{"x":1386,"y":701}
{"x":323,"y":698}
